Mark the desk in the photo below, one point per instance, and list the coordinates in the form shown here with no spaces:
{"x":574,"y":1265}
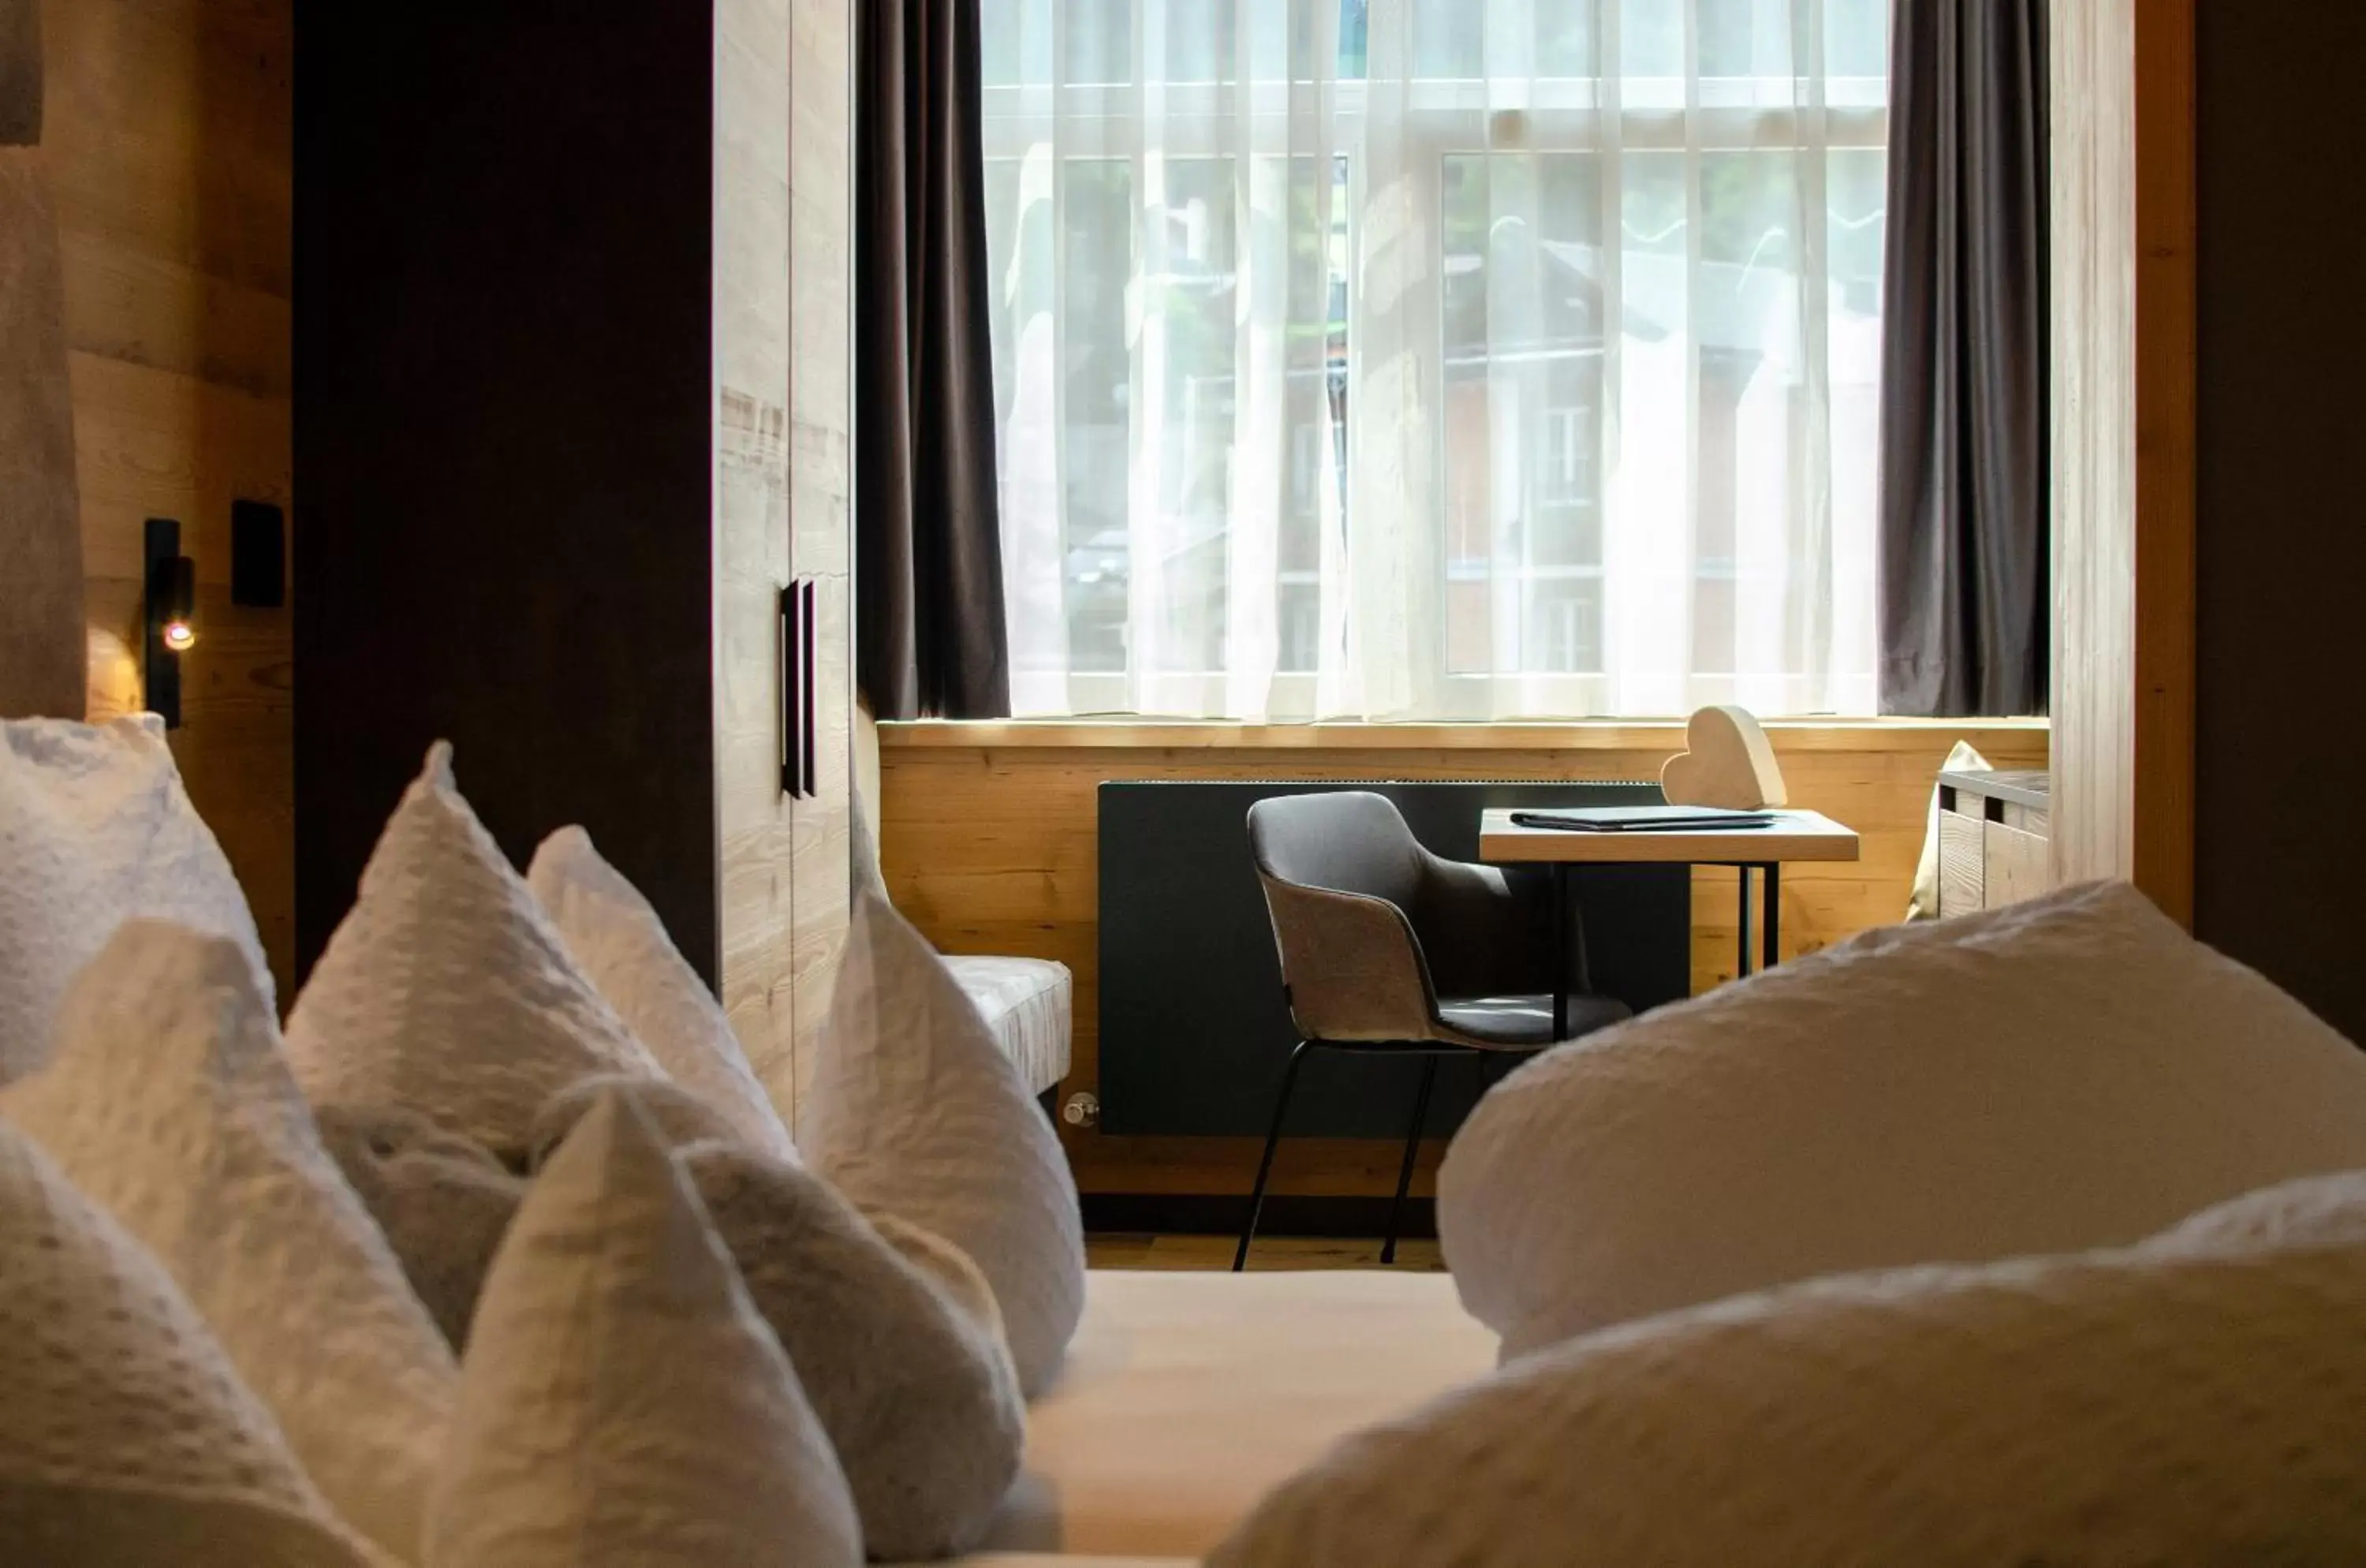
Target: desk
{"x":1795,"y":836}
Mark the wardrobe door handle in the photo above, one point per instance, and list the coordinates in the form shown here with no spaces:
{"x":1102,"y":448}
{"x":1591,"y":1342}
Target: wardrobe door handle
{"x":809,"y":705}
{"x":793,"y":690}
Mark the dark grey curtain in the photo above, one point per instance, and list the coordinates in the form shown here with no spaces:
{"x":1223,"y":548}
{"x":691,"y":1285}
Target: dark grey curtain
{"x":929,"y":633}
{"x":1964,"y":539}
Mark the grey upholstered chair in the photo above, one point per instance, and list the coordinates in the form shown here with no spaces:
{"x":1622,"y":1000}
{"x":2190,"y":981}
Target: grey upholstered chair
{"x":1387,"y":949}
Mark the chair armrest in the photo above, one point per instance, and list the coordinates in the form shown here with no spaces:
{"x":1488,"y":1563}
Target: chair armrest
{"x":1486,"y":932}
{"x":1352,"y":965}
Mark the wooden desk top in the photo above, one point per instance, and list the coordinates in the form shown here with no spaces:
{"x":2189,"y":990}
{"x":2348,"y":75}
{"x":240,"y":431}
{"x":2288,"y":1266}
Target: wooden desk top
{"x":1796,"y":836}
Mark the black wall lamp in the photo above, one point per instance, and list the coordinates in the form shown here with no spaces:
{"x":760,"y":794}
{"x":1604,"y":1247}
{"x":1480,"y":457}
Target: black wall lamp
{"x":170,"y":616}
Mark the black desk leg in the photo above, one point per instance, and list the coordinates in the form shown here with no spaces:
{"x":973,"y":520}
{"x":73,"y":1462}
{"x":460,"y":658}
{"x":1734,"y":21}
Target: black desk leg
{"x":1741,"y":967}
{"x":1772,"y":898}
{"x":1561,"y":952}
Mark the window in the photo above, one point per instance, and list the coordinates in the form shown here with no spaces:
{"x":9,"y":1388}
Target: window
{"x":1437,"y":359}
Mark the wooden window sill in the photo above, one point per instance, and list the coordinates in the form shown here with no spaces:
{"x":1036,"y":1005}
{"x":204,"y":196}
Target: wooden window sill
{"x":1599,"y":735}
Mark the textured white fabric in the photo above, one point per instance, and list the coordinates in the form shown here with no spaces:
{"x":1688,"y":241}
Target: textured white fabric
{"x":914,"y":1111}
{"x":1028,"y":1005}
{"x":127,"y":1439}
{"x":1186,"y":1397}
{"x":443,"y":1200}
{"x":94,"y":828}
{"x":2319,"y":1211}
{"x":2071,"y":1073}
{"x":914,"y":1387}
{"x":2179,"y":1402}
{"x":1435,"y":359}
{"x":1922,"y":904}
{"x":446,"y":990}
{"x":168,"y":1103}
{"x":623,"y":947}
{"x":680,"y":1117}
{"x":622,"y":1404}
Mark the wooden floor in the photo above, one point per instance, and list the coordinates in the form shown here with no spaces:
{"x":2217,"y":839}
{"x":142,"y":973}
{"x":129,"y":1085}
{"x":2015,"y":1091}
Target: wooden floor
{"x":1113,"y":1251}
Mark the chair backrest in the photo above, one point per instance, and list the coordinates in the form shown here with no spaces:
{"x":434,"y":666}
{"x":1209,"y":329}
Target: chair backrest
{"x":1341,"y":871}
{"x":1347,"y":841}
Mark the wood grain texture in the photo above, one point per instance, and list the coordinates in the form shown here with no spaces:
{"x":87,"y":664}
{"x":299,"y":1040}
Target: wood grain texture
{"x":821,"y":426}
{"x":41,"y":613}
{"x":782,"y":298}
{"x":168,"y":136}
{"x":1962,"y":864}
{"x":2017,"y":865}
{"x":752,"y":267}
{"x":994,"y":849}
{"x":2125,"y":225}
{"x":1214,"y":1254}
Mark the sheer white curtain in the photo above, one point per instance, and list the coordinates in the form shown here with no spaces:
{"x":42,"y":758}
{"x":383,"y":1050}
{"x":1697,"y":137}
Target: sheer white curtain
{"x":1437,"y":359}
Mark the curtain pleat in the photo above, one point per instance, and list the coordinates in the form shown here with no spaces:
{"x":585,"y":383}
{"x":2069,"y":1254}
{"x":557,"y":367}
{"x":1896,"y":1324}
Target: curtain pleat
{"x":931,"y":637}
{"x":1965,"y":595}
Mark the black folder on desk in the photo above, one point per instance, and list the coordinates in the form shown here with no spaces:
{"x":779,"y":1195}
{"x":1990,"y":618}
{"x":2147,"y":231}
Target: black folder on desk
{"x":1644,"y":820}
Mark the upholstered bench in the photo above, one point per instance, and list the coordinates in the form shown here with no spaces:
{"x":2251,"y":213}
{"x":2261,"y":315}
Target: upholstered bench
{"x":1028,"y":1003}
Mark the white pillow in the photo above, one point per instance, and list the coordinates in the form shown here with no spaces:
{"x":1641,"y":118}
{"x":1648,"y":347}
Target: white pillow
{"x":2071,"y":1073}
{"x":622,"y":1403}
{"x":169,"y":1104}
{"x":128,"y":1438}
{"x":624,"y":949}
{"x":95,"y":829}
{"x":896,"y":1338}
{"x":913,"y":1111}
{"x":2182,"y":1401}
{"x":446,"y":990}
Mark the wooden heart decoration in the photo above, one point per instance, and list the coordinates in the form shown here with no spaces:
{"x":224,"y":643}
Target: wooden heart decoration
{"x":1730,"y":764}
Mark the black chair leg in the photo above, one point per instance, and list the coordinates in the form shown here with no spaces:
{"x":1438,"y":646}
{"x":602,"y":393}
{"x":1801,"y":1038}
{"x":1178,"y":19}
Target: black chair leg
{"x":1265,"y":1166}
{"x":1413,"y":1148}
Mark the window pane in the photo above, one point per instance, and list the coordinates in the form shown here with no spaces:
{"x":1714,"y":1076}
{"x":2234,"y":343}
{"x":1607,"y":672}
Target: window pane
{"x":1098,"y":40}
{"x":1857,"y":38}
{"x":1748,"y":38}
{"x":1856,"y":187}
{"x":1195,"y":427}
{"x":1355,"y":30}
{"x":1651,"y":375}
{"x":1566,"y":43}
{"x":1525,"y":321}
{"x":1651,"y":37}
{"x":1095,"y":371}
{"x":1449,"y":38}
{"x":1752,"y":379}
{"x":1015,"y":38}
{"x":1200,"y":40}
{"x":1317,"y":455}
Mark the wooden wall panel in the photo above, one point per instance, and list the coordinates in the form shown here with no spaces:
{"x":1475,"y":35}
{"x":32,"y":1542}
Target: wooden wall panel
{"x":993,"y":848}
{"x":2124,"y":227}
{"x":170,"y":148}
{"x":507,"y":439}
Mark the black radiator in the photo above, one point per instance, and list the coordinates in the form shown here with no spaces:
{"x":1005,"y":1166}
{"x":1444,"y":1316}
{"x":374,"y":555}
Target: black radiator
{"x":1193,"y":1033}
